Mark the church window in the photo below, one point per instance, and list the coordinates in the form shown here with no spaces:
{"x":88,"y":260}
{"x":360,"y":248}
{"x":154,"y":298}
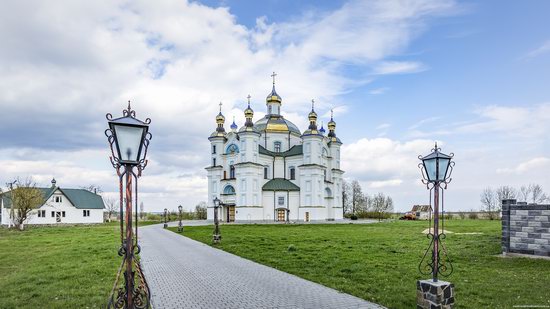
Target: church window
{"x":325,"y":152}
{"x":213,"y":149}
{"x":53,"y":214}
{"x":213,"y":161}
{"x":243,"y":145}
{"x":86,"y":213}
{"x":63,"y":214}
{"x":232,"y":171}
{"x":308,"y":186}
{"x":281,"y":201}
{"x":292,"y":173}
{"x":232,"y":149}
{"x":325,"y":174}
{"x":266,"y":172}
{"x":229,"y":190}
{"x":269,"y":109}
{"x":243,"y":185}
{"x":277,"y":146}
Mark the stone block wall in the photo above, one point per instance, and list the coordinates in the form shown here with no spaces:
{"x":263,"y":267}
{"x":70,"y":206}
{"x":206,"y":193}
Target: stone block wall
{"x":525,"y":228}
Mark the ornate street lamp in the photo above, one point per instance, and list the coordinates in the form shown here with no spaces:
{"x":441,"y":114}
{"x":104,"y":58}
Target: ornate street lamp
{"x":130,"y":138}
{"x":216,"y":237}
{"x":165,"y":218}
{"x":180,"y":225}
{"x":436,"y":172}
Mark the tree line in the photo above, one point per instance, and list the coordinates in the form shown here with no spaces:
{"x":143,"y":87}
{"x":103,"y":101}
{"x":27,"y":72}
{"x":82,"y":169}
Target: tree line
{"x":361,"y":205}
{"x":491,"y":199}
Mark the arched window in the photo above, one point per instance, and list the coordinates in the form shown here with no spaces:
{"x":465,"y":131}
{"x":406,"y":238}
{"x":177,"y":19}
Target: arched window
{"x":229,"y":190}
{"x":292,"y":173}
{"x":232,"y":171}
{"x":325,"y":152}
{"x":277,"y":146}
{"x":231,"y":149}
{"x":328,"y":192}
{"x":266,"y":172}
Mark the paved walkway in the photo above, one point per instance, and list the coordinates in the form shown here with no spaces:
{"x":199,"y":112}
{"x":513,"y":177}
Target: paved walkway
{"x":183,"y":273}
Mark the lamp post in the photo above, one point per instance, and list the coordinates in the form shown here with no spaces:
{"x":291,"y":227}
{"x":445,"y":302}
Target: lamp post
{"x":436,"y":170}
{"x":180,"y":225}
{"x":165,"y":218}
{"x":130,"y":138}
{"x":216,"y":237}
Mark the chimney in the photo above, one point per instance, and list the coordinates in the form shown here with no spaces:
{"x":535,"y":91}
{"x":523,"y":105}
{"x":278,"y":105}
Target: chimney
{"x":54,"y":183}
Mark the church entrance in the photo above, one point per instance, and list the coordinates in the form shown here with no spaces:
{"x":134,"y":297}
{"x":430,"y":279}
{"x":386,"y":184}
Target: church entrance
{"x":230,"y":213}
{"x":281,"y":214}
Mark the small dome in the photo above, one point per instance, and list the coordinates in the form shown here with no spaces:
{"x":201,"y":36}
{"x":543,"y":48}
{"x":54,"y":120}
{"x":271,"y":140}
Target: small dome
{"x":273,"y":96}
{"x":248,"y":112}
{"x":312,"y":116}
{"x":220,"y":117}
{"x":233,"y":125}
{"x":322,"y":130}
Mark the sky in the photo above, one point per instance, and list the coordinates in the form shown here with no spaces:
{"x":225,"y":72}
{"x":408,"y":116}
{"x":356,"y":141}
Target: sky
{"x":400,"y":75}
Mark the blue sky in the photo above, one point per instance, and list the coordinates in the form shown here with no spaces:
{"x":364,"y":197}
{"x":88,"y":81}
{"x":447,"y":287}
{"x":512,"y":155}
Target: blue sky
{"x":399,"y":74}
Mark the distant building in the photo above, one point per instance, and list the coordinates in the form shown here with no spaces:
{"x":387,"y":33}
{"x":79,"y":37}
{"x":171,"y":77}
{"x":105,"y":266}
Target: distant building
{"x":60,"y":206}
{"x":422,"y":212}
{"x":270,"y":170}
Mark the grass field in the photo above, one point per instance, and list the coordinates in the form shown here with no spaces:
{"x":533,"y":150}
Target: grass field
{"x":58,"y":267}
{"x":378,"y":262}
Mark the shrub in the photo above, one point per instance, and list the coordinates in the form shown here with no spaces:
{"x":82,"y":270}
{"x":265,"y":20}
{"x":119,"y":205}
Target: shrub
{"x":291,"y":248}
{"x":353,"y":217}
{"x":473,"y":215}
{"x":462,"y":215}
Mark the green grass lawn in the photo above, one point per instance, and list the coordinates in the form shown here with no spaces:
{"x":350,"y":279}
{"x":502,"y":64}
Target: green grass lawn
{"x":378,"y":262}
{"x":58,"y":267}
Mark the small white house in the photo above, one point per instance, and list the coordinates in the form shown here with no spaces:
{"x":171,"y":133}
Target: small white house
{"x":422,"y":212}
{"x":60,"y":206}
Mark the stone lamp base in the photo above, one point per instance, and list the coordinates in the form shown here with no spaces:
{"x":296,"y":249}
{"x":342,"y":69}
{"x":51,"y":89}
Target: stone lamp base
{"x":434,"y":295}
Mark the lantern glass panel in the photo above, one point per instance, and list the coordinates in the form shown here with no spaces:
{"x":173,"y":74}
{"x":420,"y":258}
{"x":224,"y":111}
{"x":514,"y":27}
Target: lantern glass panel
{"x":430,"y":167}
{"x":129,"y":141}
{"x":443,"y":166}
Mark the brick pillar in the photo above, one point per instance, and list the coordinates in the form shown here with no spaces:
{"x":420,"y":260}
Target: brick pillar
{"x":505,"y":219}
{"x":430,"y":295}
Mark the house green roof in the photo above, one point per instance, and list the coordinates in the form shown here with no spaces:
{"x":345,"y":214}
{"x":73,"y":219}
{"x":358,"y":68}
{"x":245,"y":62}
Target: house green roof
{"x":295,"y":150}
{"x":80,"y":198}
{"x":280,"y":184}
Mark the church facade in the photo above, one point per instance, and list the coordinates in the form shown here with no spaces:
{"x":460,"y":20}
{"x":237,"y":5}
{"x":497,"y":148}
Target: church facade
{"x":269,"y":170}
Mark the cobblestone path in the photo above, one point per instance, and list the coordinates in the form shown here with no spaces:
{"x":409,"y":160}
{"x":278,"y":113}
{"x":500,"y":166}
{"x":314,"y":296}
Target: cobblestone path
{"x":183,"y":273}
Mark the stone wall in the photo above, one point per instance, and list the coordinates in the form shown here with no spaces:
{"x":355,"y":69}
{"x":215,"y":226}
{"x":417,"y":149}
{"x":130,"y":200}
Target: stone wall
{"x":525,"y":228}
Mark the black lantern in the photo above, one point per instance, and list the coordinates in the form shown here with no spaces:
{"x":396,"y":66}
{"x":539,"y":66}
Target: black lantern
{"x":436,"y":165}
{"x":129,"y":139}
{"x":436,"y":170}
{"x":216,"y":238}
{"x":129,"y":135}
{"x":180,"y":225}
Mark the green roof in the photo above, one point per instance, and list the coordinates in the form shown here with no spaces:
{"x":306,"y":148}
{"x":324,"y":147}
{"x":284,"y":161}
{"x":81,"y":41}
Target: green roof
{"x":80,"y":198}
{"x":295,"y":150}
{"x":280,"y":184}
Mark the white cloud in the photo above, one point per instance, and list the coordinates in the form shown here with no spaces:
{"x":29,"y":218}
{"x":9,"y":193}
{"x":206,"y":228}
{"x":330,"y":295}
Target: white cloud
{"x":398,"y":67}
{"x":384,"y":183}
{"x":527,"y":166}
{"x":378,"y":91}
{"x":542,"y":49}
{"x":64,"y":65}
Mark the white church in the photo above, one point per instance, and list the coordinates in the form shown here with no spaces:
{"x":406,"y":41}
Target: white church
{"x":270,"y":170}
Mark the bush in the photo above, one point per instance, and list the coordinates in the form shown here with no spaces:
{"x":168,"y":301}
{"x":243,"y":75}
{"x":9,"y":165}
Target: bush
{"x":462,"y":215}
{"x":291,"y":248}
{"x":353,"y":217}
{"x":473,"y":215}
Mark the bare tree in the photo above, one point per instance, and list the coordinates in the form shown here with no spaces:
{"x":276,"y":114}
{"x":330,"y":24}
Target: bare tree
{"x":524,"y":193}
{"x":200,"y":211}
{"x":357,"y":197}
{"x":489,"y":203}
{"x":111,"y":207}
{"x":506,"y":193}
{"x":380,"y":204}
{"x":346,"y":194}
{"x":93,"y":188}
{"x":25,"y":197}
{"x":537,"y":195}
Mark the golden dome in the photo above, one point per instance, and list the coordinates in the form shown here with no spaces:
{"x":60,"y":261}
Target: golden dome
{"x":220,"y":118}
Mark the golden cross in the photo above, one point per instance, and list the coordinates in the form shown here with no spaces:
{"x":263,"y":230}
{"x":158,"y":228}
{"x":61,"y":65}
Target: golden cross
{"x":221,"y":106}
{"x":248,"y":97}
{"x":312,"y":103}
{"x":273,"y":75}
